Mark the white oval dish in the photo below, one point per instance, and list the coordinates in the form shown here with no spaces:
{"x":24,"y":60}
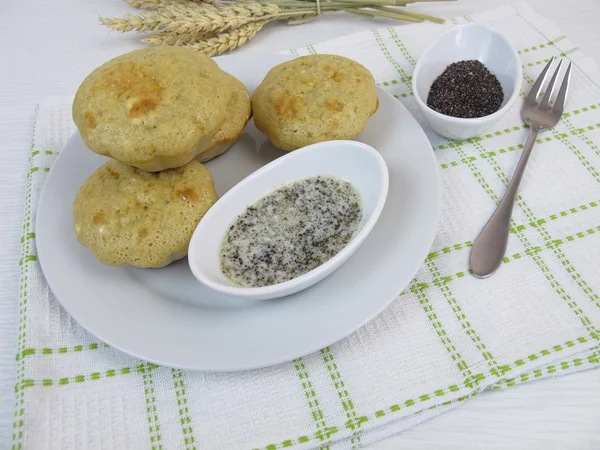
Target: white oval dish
{"x":466,"y":42}
{"x":352,"y":161}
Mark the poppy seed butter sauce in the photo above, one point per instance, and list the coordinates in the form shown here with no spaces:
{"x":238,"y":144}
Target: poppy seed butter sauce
{"x":290,"y":231}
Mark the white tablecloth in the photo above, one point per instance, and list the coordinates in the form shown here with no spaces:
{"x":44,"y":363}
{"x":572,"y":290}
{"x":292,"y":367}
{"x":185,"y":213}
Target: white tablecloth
{"x":48,"y":48}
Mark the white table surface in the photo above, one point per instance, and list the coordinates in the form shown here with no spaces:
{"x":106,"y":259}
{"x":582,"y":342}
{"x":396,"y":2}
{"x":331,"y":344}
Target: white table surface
{"x":47,"y":49}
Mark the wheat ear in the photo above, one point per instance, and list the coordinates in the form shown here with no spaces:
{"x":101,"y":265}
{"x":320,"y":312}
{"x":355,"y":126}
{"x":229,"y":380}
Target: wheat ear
{"x":141,"y":23}
{"x":228,"y":41}
{"x":202,"y":22}
{"x":158,"y":5}
{"x":174,"y":39}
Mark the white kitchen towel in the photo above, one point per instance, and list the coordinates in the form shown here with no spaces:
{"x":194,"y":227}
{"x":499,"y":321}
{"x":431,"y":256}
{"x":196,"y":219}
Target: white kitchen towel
{"x":446,"y":338}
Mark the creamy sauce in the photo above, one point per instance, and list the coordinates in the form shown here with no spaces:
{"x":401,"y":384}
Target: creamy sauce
{"x":290,"y":231}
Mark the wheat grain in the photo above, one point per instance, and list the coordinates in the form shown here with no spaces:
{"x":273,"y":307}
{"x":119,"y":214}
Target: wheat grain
{"x":228,"y":41}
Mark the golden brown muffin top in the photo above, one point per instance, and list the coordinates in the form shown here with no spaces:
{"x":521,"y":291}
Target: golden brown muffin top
{"x":129,"y":217}
{"x":151,"y":103}
{"x":313,"y":99}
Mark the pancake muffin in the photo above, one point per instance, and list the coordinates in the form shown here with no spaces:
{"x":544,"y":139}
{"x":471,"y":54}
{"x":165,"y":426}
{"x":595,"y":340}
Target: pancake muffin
{"x":313,"y":99}
{"x":127,"y":216}
{"x":154,"y":108}
{"x":239,"y":111}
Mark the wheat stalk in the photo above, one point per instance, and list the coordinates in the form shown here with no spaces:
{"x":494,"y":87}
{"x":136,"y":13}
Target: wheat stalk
{"x":246,"y":9}
{"x":143,"y":22}
{"x":228,"y":41}
{"x":174,"y":39}
{"x":158,"y":5}
{"x":214,"y":27}
{"x":195,"y":28}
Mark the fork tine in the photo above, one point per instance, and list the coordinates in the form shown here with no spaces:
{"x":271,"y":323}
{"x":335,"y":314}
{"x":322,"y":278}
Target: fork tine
{"x":546,"y":100}
{"x":561,"y":98}
{"x":537,"y":86}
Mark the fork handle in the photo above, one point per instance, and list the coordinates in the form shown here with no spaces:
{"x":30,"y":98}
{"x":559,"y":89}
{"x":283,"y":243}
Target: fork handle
{"x":489,"y":247}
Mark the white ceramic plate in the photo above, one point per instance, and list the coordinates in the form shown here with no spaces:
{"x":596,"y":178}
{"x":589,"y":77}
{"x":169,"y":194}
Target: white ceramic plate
{"x":167,"y":317}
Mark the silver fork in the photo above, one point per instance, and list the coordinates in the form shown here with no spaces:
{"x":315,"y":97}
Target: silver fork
{"x":489,"y":247}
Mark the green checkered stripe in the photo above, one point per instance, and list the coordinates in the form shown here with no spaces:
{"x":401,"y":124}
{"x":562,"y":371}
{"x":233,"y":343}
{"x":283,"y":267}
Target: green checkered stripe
{"x":325,"y":432}
{"x":487,"y":152}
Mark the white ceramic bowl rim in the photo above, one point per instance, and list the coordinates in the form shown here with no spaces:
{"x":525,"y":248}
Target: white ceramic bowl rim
{"x":459,"y":120}
{"x":357,"y":239}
